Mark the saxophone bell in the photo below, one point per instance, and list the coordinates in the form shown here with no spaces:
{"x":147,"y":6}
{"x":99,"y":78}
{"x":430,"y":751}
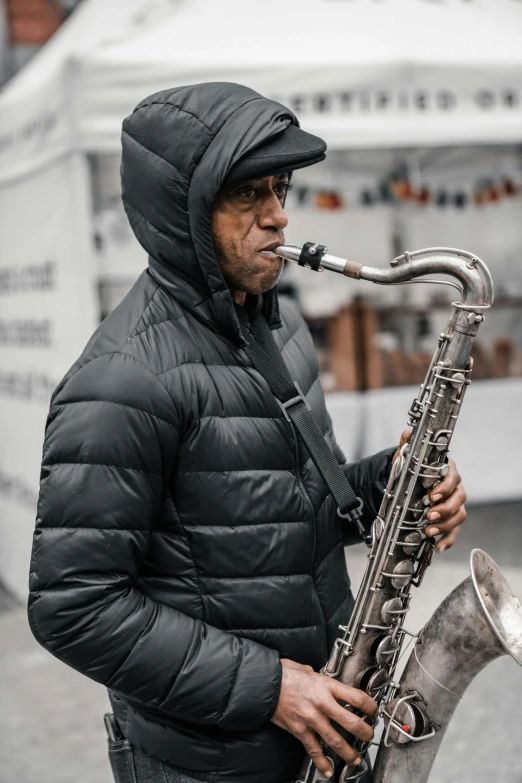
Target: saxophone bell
{"x":478,"y":622}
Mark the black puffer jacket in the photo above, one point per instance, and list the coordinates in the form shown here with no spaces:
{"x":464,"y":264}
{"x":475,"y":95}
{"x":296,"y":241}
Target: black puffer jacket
{"x":183,"y":542}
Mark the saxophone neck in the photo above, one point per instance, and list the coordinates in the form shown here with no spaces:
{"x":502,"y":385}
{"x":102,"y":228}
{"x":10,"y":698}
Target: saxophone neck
{"x":466,"y":267}
{"x":471,"y":272}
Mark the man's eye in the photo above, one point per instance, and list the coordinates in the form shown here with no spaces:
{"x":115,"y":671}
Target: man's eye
{"x":247,"y":192}
{"x":283,"y":188}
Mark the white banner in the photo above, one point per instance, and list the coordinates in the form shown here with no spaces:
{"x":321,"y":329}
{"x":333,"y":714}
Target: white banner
{"x":47,"y":313}
{"x":398,"y":104}
{"x":35,"y":128}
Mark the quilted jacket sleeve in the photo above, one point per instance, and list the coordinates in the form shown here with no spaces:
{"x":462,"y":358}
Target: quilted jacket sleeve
{"x":110,"y":444}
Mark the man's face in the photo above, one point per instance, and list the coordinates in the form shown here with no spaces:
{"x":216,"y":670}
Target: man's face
{"x":247,"y":222}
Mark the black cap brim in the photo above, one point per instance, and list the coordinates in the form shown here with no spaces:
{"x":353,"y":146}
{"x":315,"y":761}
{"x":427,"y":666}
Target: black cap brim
{"x":292,"y":149}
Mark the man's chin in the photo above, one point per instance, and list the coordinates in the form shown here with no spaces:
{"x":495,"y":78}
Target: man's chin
{"x":262,"y":278}
{"x":269,"y":278}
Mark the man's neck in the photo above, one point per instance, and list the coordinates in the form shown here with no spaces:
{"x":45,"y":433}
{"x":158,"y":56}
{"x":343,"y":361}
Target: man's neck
{"x":239,"y":297}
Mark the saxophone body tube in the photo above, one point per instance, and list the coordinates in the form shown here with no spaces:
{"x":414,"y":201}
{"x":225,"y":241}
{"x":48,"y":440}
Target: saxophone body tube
{"x":481,"y":619}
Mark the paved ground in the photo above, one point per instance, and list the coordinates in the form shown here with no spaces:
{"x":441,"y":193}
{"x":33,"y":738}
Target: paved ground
{"x":51,"y":728}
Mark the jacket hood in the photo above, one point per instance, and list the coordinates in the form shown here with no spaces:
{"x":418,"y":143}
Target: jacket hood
{"x":178,"y":147}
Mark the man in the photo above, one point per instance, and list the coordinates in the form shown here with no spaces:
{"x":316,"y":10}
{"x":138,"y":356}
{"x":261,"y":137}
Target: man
{"x":187,"y":554}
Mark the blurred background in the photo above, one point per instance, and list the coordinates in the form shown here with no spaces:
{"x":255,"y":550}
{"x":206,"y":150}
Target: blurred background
{"x":420,"y":102}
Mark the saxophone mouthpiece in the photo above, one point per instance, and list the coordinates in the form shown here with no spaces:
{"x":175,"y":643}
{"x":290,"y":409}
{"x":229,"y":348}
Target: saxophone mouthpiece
{"x":309,"y":255}
{"x":314,"y":256}
{"x":288,"y":252}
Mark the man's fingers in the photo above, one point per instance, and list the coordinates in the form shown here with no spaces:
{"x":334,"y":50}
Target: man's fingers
{"x":358,"y":699}
{"x":448,"y":484}
{"x":334,"y":741}
{"x":448,"y":540}
{"x":314,"y":750}
{"x":405,"y":436}
{"x":352,"y":723}
{"x":441,"y":512}
{"x":447,"y":525}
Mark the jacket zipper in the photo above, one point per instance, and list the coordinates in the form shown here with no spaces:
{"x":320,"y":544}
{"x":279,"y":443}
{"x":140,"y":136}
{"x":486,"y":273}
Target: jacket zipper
{"x":314,"y":526}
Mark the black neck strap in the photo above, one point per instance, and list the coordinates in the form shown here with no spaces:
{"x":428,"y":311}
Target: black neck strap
{"x":264,"y":354}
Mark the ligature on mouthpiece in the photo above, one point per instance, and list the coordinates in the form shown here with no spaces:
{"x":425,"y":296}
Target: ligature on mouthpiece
{"x":313,"y":256}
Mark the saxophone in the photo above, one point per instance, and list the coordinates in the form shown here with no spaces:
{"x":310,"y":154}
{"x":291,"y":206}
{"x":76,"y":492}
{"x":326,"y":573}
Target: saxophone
{"x":482,"y":618}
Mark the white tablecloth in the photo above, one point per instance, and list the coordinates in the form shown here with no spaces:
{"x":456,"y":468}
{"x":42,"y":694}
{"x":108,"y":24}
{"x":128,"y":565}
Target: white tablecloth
{"x":487,"y":445}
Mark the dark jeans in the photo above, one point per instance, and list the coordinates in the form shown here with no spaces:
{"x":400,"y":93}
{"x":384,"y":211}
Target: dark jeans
{"x":131,"y":765}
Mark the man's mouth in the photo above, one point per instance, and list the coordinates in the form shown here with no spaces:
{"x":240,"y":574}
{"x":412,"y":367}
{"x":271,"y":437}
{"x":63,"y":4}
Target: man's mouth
{"x":269,"y":249}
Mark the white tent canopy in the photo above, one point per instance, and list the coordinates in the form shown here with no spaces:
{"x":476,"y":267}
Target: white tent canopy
{"x":94,"y":24}
{"x":37,"y":117}
{"x":358,"y":72}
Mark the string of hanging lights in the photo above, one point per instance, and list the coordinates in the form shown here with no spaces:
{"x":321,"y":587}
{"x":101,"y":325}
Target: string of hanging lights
{"x":398,"y":189}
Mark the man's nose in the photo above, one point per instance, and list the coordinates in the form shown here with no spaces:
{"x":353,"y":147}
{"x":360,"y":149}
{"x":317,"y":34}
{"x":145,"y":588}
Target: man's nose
{"x":273,"y":214}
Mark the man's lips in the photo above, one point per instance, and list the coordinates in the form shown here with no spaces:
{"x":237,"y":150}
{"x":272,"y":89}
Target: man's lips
{"x":269,"y":255}
{"x":269,"y":249}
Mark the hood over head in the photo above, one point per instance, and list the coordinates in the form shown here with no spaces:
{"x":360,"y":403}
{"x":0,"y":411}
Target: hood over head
{"x":178,"y":147}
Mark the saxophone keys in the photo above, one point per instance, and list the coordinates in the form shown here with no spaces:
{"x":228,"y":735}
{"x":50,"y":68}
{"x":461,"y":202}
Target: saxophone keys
{"x":372,"y":681}
{"x":404,"y":720}
{"x":437,"y":471}
{"x":457,"y":379}
{"x":377,"y":529}
{"x":402,"y":574}
{"x":350,"y":772}
{"x":377,"y":682}
{"x":392,"y":609}
{"x":475,"y":318}
{"x":411,"y":543}
{"x":383,"y":648}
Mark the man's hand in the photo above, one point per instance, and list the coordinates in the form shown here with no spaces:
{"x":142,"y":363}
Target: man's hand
{"x":448,"y":510}
{"x":448,"y":498}
{"x":405,"y":438}
{"x":309,"y":701}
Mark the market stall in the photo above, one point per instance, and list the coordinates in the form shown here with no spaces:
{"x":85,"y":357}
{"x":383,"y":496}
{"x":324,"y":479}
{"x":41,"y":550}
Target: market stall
{"x":392,"y":78}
